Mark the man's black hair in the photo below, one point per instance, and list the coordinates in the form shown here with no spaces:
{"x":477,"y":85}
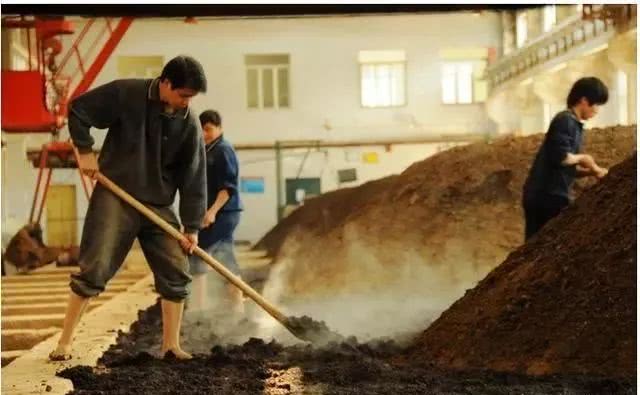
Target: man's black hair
{"x":185,"y":72}
{"x":210,"y":116}
{"x":591,"y":88}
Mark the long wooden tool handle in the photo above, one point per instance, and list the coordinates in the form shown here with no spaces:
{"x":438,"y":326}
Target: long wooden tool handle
{"x":217,"y":266}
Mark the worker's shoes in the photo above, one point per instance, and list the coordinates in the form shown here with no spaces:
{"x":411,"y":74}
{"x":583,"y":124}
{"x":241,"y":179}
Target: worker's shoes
{"x":61,"y":353}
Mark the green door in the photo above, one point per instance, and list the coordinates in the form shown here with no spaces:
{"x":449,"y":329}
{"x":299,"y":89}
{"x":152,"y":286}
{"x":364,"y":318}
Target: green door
{"x":301,"y":188}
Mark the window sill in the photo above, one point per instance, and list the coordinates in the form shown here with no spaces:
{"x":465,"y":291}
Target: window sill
{"x":382,"y":107}
{"x":463,"y":104}
{"x":269,"y":109}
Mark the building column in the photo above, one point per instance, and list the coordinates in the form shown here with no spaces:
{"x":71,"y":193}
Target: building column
{"x":622,"y":54}
{"x":529,"y":109}
{"x":501,"y":109}
{"x":550,"y":89}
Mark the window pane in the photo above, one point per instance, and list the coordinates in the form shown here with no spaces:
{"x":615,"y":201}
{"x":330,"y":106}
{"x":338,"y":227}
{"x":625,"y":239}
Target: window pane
{"x":383,"y":85}
{"x":448,"y":83}
{"x":267,"y":88}
{"x":252,"y":88}
{"x":397,"y":85}
{"x":283,"y":87}
{"x":465,"y":82}
{"x":368,"y":85}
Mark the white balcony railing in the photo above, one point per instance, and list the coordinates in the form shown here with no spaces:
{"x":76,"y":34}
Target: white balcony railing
{"x":571,"y":33}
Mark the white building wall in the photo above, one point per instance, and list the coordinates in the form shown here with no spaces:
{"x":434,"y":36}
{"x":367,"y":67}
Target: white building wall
{"x":325,"y":81}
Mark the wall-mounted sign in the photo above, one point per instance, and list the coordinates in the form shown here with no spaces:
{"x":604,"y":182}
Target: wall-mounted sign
{"x":370,"y":157}
{"x":251,"y":184}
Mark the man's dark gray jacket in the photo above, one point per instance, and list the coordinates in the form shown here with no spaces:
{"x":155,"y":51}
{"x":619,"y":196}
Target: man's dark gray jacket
{"x":148,"y":153}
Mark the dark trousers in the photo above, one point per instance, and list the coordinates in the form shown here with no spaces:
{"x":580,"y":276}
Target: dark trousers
{"x":540,"y":209}
{"x":217,"y":241}
{"x":110,"y":227}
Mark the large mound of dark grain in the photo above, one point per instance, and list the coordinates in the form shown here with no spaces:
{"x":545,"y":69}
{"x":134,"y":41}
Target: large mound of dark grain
{"x":563,"y":303}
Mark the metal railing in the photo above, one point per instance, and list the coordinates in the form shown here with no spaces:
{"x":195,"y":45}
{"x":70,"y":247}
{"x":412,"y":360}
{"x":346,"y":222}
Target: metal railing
{"x":89,"y":51}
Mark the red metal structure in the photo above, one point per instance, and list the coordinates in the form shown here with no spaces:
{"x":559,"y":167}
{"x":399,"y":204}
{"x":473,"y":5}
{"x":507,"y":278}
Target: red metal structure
{"x":35,"y":100}
{"x":24,"y":106}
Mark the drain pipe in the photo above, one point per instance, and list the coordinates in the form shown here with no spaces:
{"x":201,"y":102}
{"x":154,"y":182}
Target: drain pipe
{"x":279,"y":205}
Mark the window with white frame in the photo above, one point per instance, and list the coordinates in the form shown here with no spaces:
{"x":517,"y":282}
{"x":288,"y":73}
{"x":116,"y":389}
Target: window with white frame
{"x":549,"y":17}
{"x":267,"y":81}
{"x":463,"y":82}
{"x":382,"y":78}
{"x":521,"y":29}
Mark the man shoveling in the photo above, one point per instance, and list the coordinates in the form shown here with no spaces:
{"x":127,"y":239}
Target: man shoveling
{"x":153,"y":149}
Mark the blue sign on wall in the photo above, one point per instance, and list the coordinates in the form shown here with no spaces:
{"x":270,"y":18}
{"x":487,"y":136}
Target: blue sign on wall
{"x":252,"y":184}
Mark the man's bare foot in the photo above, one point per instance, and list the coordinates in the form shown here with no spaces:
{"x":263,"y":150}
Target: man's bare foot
{"x":61,"y":353}
{"x":176,"y":353}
